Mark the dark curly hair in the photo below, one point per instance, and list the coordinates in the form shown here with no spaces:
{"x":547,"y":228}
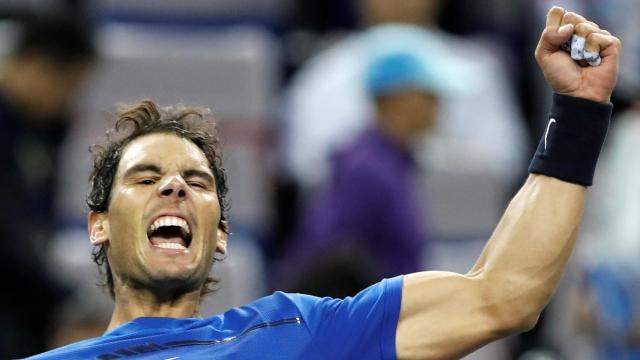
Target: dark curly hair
{"x":138,"y":120}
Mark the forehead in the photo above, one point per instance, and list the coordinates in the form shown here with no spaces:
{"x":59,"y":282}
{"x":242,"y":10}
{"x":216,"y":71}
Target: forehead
{"x":165,"y":150}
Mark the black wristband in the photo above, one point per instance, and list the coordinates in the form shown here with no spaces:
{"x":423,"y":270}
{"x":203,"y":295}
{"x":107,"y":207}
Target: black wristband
{"x":572,"y":140}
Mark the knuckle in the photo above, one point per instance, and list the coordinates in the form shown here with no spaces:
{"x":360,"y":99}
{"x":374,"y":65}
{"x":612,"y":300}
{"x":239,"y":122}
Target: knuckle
{"x":612,"y":40}
{"x":547,"y":33}
{"x":570,"y":15}
{"x":538,"y":55}
{"x":585,"y":28}
{"x":616,"y":41}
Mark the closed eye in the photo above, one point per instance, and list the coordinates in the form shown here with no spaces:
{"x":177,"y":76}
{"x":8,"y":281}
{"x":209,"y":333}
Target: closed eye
{"x":197,"y":184}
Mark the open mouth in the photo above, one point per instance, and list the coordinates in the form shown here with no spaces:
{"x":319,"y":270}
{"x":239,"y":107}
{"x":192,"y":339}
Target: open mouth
{"x":170,"y":232}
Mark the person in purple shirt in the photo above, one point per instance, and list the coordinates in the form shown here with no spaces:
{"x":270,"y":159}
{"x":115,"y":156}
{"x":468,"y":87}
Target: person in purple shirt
{"x":370,"y":208}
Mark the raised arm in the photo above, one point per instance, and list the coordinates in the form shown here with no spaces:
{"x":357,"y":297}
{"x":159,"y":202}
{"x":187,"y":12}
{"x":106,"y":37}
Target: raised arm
{"x":446,"y":315}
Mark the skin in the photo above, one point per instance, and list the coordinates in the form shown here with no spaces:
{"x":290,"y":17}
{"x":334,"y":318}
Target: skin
{"x":419,"y":12}
{"x":149,"y":281}
{"x":447,"y":315}
{"x":41,"y":88}
{"x":405,"y":115}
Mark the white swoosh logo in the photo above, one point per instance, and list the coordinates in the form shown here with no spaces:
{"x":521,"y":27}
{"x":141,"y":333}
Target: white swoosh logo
{"x":551,"y":121}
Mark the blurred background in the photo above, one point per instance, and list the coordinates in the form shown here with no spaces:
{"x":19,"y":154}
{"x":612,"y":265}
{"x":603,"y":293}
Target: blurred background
{"x":339,"y":175}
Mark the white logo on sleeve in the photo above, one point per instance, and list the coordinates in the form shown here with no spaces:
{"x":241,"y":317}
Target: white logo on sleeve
{"x":551,"y":121}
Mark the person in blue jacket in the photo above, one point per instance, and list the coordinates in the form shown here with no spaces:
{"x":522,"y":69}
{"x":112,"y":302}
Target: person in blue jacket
{"x":159,"y":216}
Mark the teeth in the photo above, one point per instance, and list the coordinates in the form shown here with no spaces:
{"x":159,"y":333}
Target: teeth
{"x":170,"y":221}
{"x":171,"y":246}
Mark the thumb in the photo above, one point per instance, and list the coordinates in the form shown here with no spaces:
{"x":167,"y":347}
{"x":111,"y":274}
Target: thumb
{"x":553,"y":37}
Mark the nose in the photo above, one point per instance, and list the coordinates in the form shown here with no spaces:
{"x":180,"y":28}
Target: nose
{"x":174,"y":187}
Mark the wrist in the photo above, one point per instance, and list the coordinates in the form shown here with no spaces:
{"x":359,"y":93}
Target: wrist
{"x":597,"y":98}
{"x":573,"y":137}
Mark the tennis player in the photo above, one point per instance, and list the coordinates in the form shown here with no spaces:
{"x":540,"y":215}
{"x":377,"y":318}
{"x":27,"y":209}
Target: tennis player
{"x":159,"y":216}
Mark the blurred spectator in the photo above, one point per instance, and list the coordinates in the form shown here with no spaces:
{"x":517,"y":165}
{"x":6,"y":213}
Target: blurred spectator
{"x":40,"y":80}
{"x":609,"y":301}
{"x":367,"y":222}
{"x":325,"y":106}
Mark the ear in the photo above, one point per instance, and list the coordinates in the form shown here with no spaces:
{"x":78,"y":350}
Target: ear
{"x":98,"y":228}
{"x":223,"y":236}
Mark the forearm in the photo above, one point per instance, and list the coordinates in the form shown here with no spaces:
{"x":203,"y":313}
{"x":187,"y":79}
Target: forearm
{"x":524,"y":259}
{"x":446,"y":315}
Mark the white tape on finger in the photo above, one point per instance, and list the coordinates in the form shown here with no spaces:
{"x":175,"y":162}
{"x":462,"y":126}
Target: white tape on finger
{"x":577,"y":47}
{"x":593,"y":58}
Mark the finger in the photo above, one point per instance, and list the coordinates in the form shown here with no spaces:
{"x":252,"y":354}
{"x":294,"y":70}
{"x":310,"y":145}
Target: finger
{"x":572,"y":18}
{"x":593,"y":24}
{"x":551,"y":40}
{"x":609,"y":46}
{"x":592,"y":49}
{"x":578,"y":41}
{"x":554,"y":16}
{"x":584,"y":29}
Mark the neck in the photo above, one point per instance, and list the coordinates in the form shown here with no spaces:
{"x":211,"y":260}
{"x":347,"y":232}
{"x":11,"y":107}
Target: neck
{"x":133,"y":303}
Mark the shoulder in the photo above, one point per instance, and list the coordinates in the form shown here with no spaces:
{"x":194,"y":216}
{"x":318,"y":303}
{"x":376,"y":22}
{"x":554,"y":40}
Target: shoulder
{"x":294,"y":304}
{"x":63,"y":352}
{"x":279,"y":304}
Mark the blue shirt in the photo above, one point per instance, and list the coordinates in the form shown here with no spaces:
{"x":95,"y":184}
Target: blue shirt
{"x":279,"y":326}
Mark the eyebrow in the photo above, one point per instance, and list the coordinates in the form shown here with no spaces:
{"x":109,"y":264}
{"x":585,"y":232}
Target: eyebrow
{"x":156,"y":169}
{"x":198,"y":173}
{"x":142,"y":168}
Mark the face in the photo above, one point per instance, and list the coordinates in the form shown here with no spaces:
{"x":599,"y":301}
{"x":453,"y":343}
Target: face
{"x":420,"y":109}
{"x":51,"y":88}
{"x":161,"y":229}
{"x":411,"y":112}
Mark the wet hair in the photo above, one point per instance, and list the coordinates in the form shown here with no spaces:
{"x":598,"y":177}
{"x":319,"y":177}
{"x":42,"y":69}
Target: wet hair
{"x":134,"y":121}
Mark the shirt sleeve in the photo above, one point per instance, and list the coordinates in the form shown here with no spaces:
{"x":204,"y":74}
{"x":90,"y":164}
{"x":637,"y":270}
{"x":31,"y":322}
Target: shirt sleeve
{"x":362,"y":327}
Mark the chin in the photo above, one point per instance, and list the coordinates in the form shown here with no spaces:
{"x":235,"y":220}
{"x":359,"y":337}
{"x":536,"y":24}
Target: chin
{"x":176,"y":285}
{"x":178,"y":276}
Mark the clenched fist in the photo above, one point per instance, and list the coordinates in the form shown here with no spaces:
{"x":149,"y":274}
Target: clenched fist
{"x":576,"y":78}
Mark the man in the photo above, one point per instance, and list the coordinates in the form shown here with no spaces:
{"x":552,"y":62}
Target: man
{"x":325,"y":106}
{"x":40,"y":79}
{"x":158,"y":212}
{"x":369,"y":209}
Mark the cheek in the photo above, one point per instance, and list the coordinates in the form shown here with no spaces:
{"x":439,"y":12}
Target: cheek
{"x":126,"y":200}
{"x":427,"y":113}
{"x":125,"y":209}
{"x":210,"y":215}
{"x":210,"y":201}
